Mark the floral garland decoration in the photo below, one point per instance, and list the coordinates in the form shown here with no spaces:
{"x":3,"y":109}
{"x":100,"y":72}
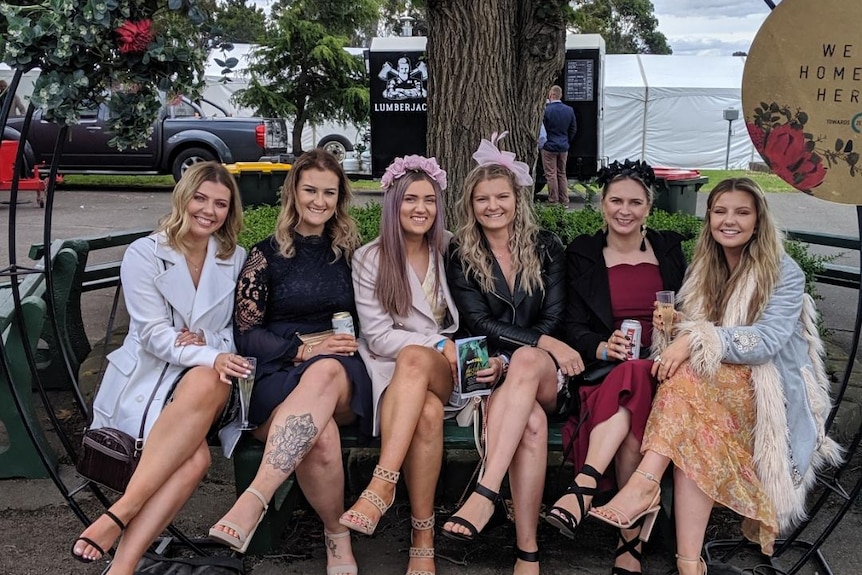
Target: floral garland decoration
{"x":122,"y":51}
{"x":400,"y":166}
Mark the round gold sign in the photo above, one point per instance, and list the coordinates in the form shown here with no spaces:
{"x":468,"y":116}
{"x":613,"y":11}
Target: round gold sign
{"x":802,"y":96}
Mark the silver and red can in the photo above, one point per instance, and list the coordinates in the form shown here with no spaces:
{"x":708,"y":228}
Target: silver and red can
{"x":631,"y":328}
{"x":342,"y":322}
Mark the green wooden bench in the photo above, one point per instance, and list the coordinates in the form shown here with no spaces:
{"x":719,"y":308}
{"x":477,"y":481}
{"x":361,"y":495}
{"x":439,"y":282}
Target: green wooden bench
{"x":832,"y":274}
{"x":20,"y":459}
{"x":249,"y":454}
{"x":87,"y":277}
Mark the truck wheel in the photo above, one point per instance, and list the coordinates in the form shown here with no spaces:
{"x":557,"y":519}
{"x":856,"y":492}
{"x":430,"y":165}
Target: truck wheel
{"x":188,"y":158}
{"x":338,"y":146}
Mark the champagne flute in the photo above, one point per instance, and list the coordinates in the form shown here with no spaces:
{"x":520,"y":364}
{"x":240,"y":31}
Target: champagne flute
{"x":666,"y":302}
{"x":245,"y":386}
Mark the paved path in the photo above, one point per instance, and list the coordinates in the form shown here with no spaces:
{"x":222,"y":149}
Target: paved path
{"x":38,"y":528}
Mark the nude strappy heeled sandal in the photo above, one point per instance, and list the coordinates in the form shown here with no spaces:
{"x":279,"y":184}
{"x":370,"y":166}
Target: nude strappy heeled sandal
{"x":346,"y":568}
{"x":241,"y":540}
{"x":358,"y":521}
{"x":693,"y":560}
{"x":623,"y":521}
{"x":421,"y":552}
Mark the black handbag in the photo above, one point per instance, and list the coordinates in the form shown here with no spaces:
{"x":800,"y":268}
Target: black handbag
{"x":152,"y":564}
{"x":568,"y":399}
{"x":109,"y":456}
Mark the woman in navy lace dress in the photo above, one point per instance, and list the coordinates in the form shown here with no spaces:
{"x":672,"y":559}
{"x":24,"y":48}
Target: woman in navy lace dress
{"x":291,"y":285}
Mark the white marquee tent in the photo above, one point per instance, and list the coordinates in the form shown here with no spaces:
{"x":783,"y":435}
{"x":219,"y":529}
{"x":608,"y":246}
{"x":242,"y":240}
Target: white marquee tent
{"x":668,"y":110}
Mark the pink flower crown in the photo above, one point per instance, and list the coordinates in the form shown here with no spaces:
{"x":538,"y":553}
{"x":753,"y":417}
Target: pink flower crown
{"x":489,"y":154}
{"x":400,"y":166}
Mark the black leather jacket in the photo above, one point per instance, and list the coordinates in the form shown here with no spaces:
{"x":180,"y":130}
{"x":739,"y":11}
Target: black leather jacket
{"x":511,"y":320}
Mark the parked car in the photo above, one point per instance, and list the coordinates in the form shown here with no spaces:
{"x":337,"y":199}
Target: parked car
{"x":183,"y":135}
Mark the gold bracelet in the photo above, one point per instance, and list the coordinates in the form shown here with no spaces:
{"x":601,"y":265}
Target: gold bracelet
{"x":308,"y":349}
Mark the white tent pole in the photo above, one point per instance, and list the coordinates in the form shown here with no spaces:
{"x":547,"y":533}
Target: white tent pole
{"x":646,"y":108}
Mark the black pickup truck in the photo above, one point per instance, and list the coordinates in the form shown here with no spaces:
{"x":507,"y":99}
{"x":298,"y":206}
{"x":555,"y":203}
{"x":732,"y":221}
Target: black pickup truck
{"x":183,"y":135}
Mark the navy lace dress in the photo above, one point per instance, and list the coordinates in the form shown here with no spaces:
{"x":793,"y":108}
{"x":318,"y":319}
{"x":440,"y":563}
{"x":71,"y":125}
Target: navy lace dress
{"x":277,"y":299}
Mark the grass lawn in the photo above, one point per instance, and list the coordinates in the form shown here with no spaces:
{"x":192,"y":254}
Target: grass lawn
{"x":114,"y":181}
{"x":768,"y":182}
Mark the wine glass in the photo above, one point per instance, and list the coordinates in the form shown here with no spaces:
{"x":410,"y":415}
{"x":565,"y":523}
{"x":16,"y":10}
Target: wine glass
{"x":666,"y":302}
{"x":245,"y":385}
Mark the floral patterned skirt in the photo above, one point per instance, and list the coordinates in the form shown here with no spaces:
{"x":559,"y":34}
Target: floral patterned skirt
{"x":707,"y":429}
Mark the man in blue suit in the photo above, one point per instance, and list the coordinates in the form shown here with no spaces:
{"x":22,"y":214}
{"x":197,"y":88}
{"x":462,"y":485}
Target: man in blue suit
{"x":561,"y":127}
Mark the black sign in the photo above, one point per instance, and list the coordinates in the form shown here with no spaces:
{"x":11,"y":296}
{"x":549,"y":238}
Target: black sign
{"x":399,"y":109}
{"x":579,"y":77}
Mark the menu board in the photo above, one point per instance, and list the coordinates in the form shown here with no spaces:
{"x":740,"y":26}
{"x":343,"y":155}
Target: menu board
{"x":580,"y":79}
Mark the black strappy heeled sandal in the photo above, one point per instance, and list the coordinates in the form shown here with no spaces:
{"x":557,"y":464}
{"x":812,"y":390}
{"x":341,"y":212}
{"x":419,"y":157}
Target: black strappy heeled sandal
{"x":93,"y":544}
{"x":630,"y":547}
{"x":562,"y":518}
{"x":528,"y":556}
{"x":494,"y":498}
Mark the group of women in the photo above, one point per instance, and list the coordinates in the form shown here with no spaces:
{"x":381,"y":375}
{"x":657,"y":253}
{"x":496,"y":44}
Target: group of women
{"x":740,"y":410}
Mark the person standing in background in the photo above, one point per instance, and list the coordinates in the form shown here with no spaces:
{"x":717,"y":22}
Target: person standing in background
{"x":18,"y":108}
{"x":561,"y":127}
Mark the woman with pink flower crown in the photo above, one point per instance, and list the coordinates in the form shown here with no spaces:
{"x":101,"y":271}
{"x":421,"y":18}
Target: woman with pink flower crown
{"x":407,"y":318}
{"x":508,"y":280}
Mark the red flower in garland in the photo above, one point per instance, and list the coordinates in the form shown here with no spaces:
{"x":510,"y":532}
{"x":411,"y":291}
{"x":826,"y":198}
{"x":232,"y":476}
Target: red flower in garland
{"x":135,"y":36}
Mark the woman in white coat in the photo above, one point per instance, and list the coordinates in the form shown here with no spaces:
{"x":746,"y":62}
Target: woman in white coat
{"x":407,"y":317}
{"x":179,"y":285}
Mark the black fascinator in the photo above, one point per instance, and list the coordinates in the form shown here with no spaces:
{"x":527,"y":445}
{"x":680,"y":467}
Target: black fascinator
{"x":632,"y":169}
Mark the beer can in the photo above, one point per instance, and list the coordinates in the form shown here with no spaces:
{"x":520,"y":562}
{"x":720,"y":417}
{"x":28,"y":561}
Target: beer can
{"x":631,"y":328}
{"x":342,"y":322}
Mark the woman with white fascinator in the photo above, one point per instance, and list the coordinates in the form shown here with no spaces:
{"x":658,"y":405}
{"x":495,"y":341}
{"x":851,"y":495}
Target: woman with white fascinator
{"x":508,"y":279}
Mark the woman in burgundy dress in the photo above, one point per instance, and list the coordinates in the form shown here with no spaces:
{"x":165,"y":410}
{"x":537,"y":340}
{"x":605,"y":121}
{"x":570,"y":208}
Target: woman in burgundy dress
{"x":612,"y":276}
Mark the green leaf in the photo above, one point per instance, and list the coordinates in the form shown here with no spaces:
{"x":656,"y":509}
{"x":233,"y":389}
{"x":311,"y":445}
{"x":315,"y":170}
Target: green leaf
{"x":839,"y":144}
{"x":802,"y":118}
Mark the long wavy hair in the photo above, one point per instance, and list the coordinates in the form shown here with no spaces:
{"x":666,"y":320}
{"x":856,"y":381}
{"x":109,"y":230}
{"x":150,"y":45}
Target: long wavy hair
{"x":341,"y":228}
{"x":713,"y":281}
{"x":393,"y":287}
{"x":176,"y":224}
{"x":473,"y":246}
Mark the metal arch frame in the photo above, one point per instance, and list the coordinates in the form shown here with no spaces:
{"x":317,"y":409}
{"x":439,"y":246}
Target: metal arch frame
{"x":830,"y":482}
{"x":16,"y":273}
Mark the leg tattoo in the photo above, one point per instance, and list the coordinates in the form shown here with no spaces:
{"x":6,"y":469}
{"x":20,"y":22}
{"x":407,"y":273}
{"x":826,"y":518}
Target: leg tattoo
{"x":291,"y":442}
{"x":333,"y":549}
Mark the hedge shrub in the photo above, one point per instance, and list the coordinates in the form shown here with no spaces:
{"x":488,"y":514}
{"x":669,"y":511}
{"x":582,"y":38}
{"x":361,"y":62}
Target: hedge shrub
{"x":260,"y":223}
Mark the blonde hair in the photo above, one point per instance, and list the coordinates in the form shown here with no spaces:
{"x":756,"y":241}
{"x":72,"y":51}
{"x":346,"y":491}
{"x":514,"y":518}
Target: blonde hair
{"x":472,"y":245}
{"x":176,"y":224}
{"x":713,"y":281}
{"x":341,"y":228}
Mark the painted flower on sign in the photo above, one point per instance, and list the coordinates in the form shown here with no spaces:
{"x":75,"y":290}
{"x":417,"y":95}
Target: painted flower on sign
{"x":787,"y":152}
{"x":795,"y":155}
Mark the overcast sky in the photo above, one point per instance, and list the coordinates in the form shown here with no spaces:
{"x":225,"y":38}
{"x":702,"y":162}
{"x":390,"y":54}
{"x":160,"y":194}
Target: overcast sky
{"x":710,"y":27}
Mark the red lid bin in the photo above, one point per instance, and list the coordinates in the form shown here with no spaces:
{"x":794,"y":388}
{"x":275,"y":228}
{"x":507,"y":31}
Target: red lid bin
{"x":676,"y":189}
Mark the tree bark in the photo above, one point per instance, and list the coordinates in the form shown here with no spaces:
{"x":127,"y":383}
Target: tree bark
{"x":491,"y":63}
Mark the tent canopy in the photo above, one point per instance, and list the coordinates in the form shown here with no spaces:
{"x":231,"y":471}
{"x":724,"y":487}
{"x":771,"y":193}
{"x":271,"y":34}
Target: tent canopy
{"x":668,"y":110}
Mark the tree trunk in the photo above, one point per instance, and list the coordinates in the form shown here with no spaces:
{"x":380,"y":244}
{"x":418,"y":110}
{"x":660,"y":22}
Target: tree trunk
{"x":491,"y":63}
